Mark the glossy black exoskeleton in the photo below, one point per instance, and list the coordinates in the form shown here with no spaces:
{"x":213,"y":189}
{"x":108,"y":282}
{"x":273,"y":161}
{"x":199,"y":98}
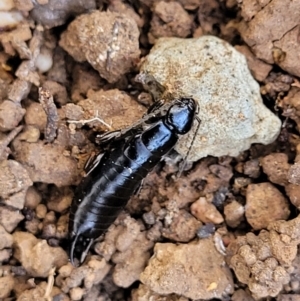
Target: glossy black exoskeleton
{"x":115,"y":175}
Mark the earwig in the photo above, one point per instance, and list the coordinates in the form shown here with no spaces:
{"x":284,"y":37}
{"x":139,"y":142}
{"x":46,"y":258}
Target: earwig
{"x":114,"y":176}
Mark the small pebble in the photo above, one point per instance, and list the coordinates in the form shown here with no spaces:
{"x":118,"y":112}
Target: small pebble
{"x":206,"y":230}
{"x":293,"y":192}
{"x":33,"y":198}
{"x":252,"y":168}
{"x":41,"y":211}
{"x":30,"y":134}
{"x":219,"y":197}
{"x":188,"y":270}
{"x":5,"y":255}
{"x":44,"y":60}
{"x":10,"y":218}
{"x":232,"y":112}
{"x":276,"y":166}
{"x":234,"y":213}
{"x":49,"y":230}
{"x":36,"y":256}
{"x":6,"y":239}
{"x":66,"y":270}
{"x":50,"y":217}
{"x":265,"y":204}
{"x":295,"y":285}
{"x":10,"y":18}
{"x":206,"y":212}
{"x":6,"y":5}
{"x":106,"y":57}
{"x":32,"y":226}
{"x":149,"y":218}
{"x":6,"y":286}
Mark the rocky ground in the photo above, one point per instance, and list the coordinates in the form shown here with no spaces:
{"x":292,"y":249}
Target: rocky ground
{"x":223,"y":227}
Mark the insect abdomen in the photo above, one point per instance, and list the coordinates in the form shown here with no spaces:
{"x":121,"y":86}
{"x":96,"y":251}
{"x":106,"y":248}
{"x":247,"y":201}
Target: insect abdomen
{"x":111,"y":184}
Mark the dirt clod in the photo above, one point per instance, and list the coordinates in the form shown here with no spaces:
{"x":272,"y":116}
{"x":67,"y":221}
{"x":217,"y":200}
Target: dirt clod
{"x":19,"y":90}
{"x":276,"y":166}
{"x":228,"y":198}
{"x":264,"y":204}
{"x":53,"y":13}
{"x":259,"y":68}
{"x":234,"y":213}
{"x":206,"y":212}
{"x":293,"y":192}
{"x":6,"y":286}
{"x":132,"y":253}
{"x":294,"y":173}
{"x":112,"y":38}
{"x":36,"y":256}
{"x":14,"y":182}
{"x":183,"y":227}
{"x":88,"y":275}
{"x":262,"y":261}
{"x":6,"y":239}
{"x":280,"y":37}
{"x":10,"y":218}
{"x":11,"y":114}
{"x":38,"y":159}
{"x":115,"y":104}
{"x":169,"y":20}
{"x":181,"y":269}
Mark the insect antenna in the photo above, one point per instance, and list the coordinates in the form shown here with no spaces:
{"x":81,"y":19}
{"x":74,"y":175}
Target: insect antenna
{"x":189,"y":150}
{"x":96,"y":118}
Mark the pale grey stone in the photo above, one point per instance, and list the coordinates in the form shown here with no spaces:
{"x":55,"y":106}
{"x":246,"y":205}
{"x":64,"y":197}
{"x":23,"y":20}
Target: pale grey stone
{"x":211,"y":71}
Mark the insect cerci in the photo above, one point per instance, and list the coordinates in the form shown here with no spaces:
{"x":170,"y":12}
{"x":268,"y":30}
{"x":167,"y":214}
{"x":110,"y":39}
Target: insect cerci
{"x":115,"y":175}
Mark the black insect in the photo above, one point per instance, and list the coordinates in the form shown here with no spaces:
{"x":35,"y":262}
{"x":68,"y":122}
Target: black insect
{"x":115,"y":175}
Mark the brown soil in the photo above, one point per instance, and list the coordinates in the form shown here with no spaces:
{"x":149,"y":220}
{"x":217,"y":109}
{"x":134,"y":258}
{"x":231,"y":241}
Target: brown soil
{"x":227,"y":228}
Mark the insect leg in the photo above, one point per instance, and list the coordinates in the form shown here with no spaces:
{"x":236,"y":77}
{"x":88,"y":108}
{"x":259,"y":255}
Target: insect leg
{"x":193,"y":140}
{"x":138,"y":189}
{"x":155,"y":106}
{"x":92,"y":162}
{"x":155,"y":113}
{"x":106,"y":140}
